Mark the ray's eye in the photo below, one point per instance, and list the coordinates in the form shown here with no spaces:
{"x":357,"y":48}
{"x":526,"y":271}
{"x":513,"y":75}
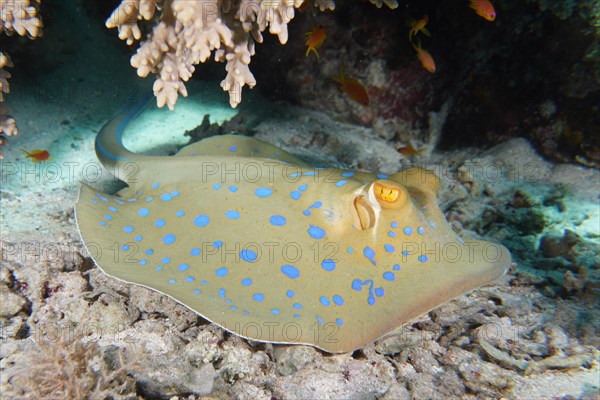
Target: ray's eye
{"x":389,"y":195}
{"x":385,"y":193}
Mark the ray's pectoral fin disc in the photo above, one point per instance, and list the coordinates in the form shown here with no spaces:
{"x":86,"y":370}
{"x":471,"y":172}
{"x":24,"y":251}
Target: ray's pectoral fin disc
{"x":287,"y":254}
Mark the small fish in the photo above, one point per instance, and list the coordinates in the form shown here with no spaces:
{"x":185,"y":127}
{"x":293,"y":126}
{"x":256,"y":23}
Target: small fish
{"x":353,"y":88}
{"x":419,"y":26}
{"x":409,"y":151}
{"x":37,"y":155}
{"x":484,"y":9}
{"x":424,"y":57}
{"x":315,"y":39}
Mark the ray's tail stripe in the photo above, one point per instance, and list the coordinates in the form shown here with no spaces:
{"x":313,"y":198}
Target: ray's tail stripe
{"x":109,"y":142}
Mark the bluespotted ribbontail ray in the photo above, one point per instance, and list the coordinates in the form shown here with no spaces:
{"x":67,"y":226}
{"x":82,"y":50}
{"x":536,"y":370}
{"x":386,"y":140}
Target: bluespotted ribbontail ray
{"x":256,"y":241}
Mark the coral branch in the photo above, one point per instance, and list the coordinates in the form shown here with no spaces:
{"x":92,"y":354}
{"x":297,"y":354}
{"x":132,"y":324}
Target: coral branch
{"x":20,"y":16}
{"x":188,"y":32}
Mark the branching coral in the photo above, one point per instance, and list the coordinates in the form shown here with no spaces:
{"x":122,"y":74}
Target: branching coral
{"x":189,"y":31}
{"x":8,"y":126}
{"x":20,"y":16}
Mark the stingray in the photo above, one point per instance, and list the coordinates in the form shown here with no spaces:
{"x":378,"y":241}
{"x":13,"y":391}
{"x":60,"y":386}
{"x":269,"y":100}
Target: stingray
{"x":267,"y":247}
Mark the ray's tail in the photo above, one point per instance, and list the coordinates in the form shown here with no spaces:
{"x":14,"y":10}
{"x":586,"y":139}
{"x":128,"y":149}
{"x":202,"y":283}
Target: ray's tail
{"x":109,"y":142}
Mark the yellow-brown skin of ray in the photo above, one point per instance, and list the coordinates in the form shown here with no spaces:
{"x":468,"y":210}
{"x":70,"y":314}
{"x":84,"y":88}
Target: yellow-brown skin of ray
{"x":418,"y":286}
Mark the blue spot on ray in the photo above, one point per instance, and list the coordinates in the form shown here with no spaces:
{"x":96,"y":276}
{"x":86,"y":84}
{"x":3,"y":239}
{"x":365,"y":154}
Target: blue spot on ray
{"x":169,"y":238}
{"x":246,"y":282}
{"x":143,"y":212}
{"x":389,"y":276}
{"x":290,"y":271}
{"x":248,"y":255}
{"x":232,"y":214}
{"x":216,"y":186}
{"x":325,"y":301}
{"x":263,"y":192}
{"x":389,"y":248}
{"x":183,"y":267}
{"x":357,"y":285}
{"x":258,"y":297}
{"x":195,"y":252}
{"x":338,"y":300}
{"x":290,"y":293}
{"x":277,"y":220}
{"x":128,"y":228}
{"x":328,"y":265}
{"x":316,"y":232}
{"x":221,"y":272}
{"x":159,"y":223}
{"x":180,"y":213}
{"x":347,"y":174}
{"x":408,"y":230}
{"x":166,"y":197}
{"x":201,"y":220}
{"x":369,"y":253}
{"x":295,"y":195}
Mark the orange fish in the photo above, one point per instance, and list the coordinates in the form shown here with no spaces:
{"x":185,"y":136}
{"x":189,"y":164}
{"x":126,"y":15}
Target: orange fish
{"x":315,"y":39}
{"x":409,"y":151}
{"x":425,"y":58}
{"x":484,"y":9}
{"x":419,"y":26}
{"x":37,"y":155}
{"x":353,"y":88}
